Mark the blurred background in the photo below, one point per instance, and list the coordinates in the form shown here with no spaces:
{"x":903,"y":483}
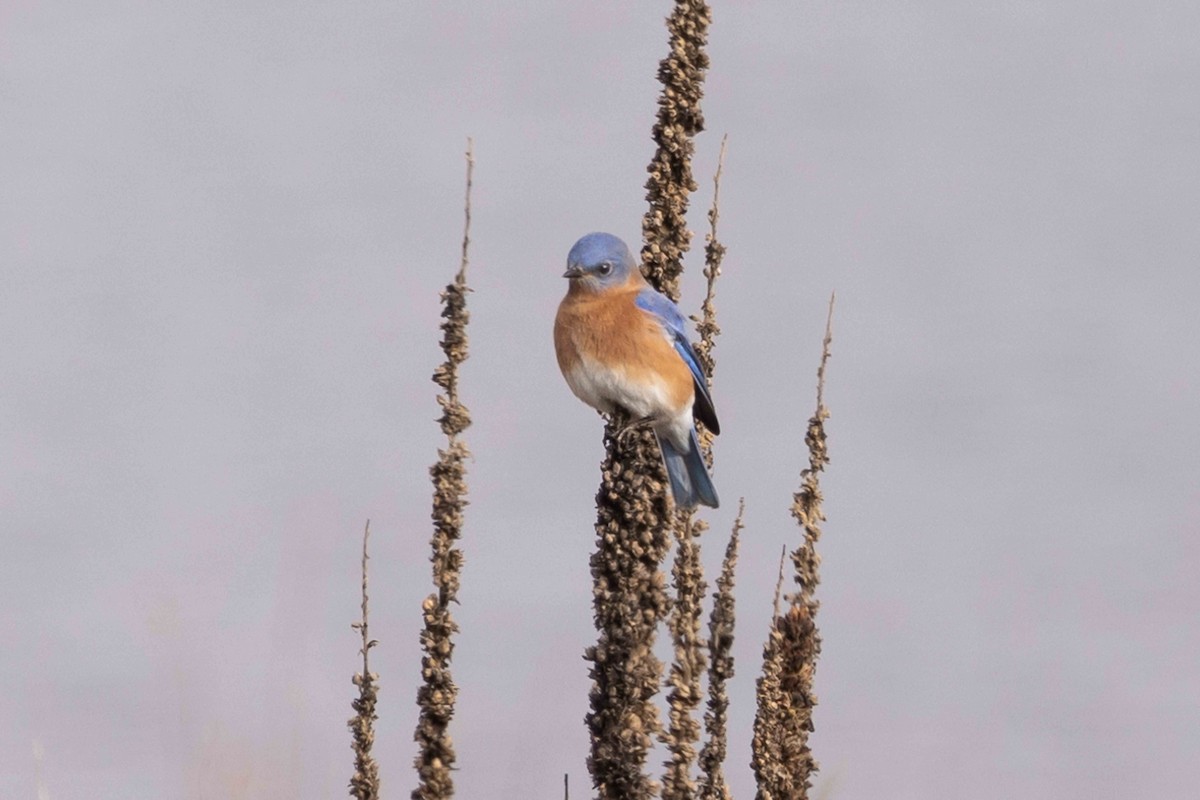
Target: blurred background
{"x":223,"y":230}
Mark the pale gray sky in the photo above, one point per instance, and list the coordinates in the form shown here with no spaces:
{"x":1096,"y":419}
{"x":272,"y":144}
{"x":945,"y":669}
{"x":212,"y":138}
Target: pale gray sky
{"x":223,"y":228}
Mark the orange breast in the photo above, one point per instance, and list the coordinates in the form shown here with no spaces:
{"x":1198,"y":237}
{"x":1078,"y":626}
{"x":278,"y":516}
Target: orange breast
{"x":609,"y":329}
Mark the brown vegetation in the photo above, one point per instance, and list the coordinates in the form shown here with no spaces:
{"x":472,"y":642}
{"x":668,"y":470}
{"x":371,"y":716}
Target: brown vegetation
{"x":364,"y":785}
{"x":720,"y":671}
{"x":635,"y":528}
{"x":435,"y":757}
{"x":634,"y":524}
{"x":782,"y":760}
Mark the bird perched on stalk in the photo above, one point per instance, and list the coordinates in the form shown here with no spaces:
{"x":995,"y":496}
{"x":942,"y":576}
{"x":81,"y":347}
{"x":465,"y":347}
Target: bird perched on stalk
{"x":622,"y":346}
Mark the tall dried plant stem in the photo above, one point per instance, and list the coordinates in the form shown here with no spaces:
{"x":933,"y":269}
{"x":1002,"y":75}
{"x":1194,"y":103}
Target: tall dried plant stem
{"x":720,"y":671}
{"x":779,"y":583}
{"x":688,"y":663}
{"x":633,"y":520}
{"x":782,"y":760}
{"x":629,"y":600}
{"x":690,"y":659}
{"x":664,"y":228}
{"x":364,"y":785}
{"x":435,"y":698}
{"x":714,"y":254}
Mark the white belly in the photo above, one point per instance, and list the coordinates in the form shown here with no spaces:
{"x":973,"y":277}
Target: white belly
{"x":606,"y":389}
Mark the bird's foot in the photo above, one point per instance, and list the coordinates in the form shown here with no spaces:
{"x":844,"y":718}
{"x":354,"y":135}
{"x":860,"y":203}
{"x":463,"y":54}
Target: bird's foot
{"x":630,"y":427}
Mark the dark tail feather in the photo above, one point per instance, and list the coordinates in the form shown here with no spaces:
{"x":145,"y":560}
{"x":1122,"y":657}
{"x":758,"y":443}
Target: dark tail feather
{"x":690,"y":482}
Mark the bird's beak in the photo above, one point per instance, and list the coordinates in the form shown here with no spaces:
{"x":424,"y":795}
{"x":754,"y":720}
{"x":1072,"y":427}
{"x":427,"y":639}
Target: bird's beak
{"x":573,"y":272}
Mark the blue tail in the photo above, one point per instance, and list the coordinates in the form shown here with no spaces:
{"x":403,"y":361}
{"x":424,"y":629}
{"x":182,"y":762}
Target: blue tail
{"x":690,"y":482}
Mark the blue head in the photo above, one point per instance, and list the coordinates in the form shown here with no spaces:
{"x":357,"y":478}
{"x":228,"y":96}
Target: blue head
{"x":600,"y":261}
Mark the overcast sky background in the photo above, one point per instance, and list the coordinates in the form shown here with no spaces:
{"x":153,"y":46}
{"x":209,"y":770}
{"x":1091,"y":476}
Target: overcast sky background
{"x":223,"y":230}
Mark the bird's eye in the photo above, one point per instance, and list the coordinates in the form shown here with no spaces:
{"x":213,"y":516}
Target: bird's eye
{"x":604,"y":268}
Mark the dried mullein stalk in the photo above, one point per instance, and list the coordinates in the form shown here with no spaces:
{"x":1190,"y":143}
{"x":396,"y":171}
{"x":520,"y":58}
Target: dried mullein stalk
{"x":633,"y":527}
{"x":364,"y":785}
{"x":435,"y":758}
{"x":688,"y":663}
{"x":720,"y":671}
{"x":682,"y":72}
{"x":767,"y":759}
{"x":714,"y":253}
{"x":690,"y":660}
{"x":783,"y":762}
{"x":629,"y":600}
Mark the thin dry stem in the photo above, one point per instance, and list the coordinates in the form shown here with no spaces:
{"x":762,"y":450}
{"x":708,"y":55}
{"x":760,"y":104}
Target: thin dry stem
{"x":689,"y":662}
{"x":364,"y":785}
{"x":720,"y":671}
{"x":706,"y":323}
{"x":779,"y":583}
{"x":466,"y":242}
{"x":828,"y":340}
{"x":714,"y":253}
{"x":436,"y":696}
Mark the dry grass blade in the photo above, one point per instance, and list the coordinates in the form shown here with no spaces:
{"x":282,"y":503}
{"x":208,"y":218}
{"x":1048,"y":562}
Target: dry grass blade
{"x":364,"y":785}
{"x":437,"y":693}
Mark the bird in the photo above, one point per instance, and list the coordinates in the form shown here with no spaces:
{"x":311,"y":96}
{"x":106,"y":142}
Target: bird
{"x":622,"y":347}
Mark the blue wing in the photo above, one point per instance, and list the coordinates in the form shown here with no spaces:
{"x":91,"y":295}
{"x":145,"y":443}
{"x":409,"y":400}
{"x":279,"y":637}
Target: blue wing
{"x":668,"y":314}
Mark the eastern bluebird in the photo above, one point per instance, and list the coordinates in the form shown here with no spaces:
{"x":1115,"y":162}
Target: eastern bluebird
{"x":622,"y":346}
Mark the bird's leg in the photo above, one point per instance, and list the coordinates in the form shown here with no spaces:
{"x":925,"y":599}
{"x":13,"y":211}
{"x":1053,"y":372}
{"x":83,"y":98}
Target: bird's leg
{"x":631,"y":426}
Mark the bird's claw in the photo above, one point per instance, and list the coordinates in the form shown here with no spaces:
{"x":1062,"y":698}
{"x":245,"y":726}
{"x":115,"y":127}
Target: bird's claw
{"x":630,"y":427}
